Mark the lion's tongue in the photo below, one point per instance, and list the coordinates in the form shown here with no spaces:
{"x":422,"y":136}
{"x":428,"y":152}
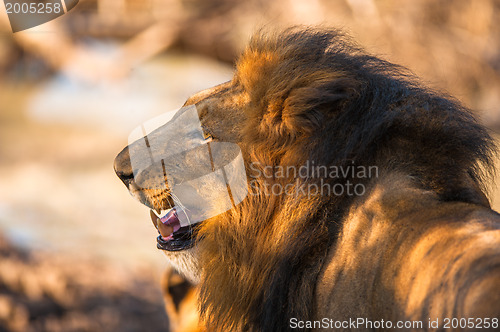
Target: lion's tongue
{"x":168,"y":224}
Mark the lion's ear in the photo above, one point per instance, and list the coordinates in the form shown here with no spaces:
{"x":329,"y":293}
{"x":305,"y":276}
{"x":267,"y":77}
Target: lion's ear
{"x":308,"y":104}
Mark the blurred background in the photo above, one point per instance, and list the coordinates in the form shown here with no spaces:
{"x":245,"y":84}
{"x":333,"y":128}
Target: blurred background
{"x":77,"y":253}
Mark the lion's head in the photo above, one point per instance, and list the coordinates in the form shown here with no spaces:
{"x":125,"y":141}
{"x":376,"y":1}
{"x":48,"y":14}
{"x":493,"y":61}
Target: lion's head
{"x":305,"y":97}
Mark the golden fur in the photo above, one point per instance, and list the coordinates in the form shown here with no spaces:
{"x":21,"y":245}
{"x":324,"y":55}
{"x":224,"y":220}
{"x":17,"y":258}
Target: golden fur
{"x":421,"y":242}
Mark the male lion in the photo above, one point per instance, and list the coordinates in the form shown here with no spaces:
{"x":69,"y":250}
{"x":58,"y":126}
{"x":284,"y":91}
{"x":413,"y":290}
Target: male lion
{"x":366,"y":205}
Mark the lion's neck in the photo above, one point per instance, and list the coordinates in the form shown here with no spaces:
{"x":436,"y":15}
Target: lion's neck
{"x":390,"y":258}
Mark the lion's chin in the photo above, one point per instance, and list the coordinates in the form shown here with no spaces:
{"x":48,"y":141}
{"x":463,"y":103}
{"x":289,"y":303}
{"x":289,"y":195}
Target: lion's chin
{"x":186,"y":263}
{"x":178,"y":243}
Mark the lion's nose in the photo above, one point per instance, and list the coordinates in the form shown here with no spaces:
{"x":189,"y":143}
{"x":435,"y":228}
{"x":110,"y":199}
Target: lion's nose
{"x":123,"y":167}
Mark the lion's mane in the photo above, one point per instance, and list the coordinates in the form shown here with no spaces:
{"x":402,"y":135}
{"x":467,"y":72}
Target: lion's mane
{"x":314,"y":95}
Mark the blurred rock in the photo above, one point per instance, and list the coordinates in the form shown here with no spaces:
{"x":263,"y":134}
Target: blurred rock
{"x":47,"y":292}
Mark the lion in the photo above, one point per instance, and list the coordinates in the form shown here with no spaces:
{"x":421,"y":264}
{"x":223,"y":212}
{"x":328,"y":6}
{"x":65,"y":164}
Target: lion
{"x":388,"y":227}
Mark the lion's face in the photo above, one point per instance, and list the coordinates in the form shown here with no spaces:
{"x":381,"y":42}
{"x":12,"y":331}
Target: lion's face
{"x":220,"y":115}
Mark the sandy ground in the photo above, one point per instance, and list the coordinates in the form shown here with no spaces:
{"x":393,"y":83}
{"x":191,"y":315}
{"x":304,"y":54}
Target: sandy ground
{"x":41,"y":291}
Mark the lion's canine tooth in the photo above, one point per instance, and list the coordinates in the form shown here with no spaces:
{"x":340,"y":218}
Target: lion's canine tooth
{"x":157,"y":212}
{"x":154,"y":217}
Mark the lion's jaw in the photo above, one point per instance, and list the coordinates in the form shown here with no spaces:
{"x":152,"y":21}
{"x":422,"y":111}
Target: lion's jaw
{"x":186,"y":263}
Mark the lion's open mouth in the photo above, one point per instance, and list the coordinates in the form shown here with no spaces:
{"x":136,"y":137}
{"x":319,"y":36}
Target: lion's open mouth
{"x":172,"y":236}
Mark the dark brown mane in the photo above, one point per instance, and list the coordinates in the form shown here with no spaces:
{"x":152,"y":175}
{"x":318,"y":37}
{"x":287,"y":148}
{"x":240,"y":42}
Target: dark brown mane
{"x":316,"y":96}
